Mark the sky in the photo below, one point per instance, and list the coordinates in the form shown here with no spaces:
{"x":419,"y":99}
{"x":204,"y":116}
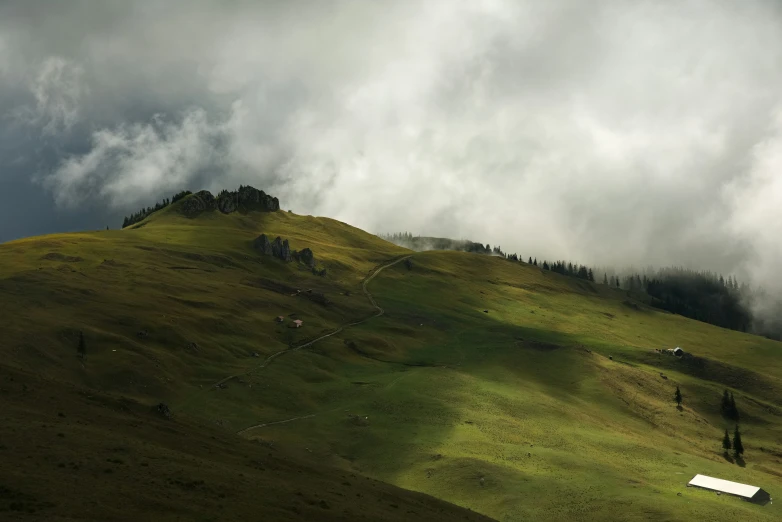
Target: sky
{"x":613,"y":133}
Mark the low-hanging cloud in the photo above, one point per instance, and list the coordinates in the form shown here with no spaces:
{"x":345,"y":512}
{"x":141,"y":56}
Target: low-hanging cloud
{"x":58,"y":93}
{"x":614,"y":133}
{"x":133,"y":163}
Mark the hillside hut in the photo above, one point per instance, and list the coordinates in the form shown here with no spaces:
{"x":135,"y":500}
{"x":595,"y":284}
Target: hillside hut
{"x":280,"y":319}
{"x":297,"y":323}
{"x":752,"y":494}
{"x":678,"y":352}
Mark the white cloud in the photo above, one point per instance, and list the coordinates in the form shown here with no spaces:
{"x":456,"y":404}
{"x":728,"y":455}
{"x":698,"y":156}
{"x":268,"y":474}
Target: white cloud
{"x":755,"y":201}
{"x":58,"y":92}
{"x":134,"y":163}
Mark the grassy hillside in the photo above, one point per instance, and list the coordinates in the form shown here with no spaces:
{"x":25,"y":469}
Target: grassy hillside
{"x":71,"y":453}
{"x":553,"y":405}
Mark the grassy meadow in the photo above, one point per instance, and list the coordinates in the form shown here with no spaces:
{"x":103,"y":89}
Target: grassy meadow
{"x":552,"y":405}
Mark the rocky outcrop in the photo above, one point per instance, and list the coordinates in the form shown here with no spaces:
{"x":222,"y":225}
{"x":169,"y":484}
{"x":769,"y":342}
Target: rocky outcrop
{"x":253,"y":199}
{"x":263,"y":245}
{"x":307,"y":257}
{"x":199,"y":202}
{"x":246,"y":199}
{"x":280,"y":248}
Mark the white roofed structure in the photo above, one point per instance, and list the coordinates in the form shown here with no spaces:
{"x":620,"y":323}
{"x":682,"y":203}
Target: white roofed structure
{"x":750,"y":493}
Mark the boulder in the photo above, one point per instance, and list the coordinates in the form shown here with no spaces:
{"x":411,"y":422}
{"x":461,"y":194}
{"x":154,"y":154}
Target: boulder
{"x":263,"y":245}
{"x":307,"y":257}
{"x":163,"y":410}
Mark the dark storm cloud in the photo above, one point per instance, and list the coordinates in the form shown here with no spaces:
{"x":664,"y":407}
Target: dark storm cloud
{"x":614,"y":132}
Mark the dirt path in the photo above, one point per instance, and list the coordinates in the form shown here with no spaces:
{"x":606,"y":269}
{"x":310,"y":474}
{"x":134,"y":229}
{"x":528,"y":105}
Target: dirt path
{"x":274,"y":356}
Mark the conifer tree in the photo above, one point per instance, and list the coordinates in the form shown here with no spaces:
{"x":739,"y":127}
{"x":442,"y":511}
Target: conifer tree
{"x":605,"y":279}
{"x":738,"y":447}
{"x":535,"y":262}
{"x":725,"y":405}
{"x":726,"y":445}
{"x":530,"y":260}
{"x":733,"y":411}
{"x":678,"y":396}
{"x":617,"y":282}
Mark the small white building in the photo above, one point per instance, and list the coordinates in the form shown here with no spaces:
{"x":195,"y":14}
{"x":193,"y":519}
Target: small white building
{"x":749,"y":493}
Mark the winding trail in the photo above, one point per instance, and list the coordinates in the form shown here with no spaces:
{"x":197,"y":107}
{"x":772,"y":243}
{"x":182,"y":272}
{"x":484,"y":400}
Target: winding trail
{"x":379,"y":312}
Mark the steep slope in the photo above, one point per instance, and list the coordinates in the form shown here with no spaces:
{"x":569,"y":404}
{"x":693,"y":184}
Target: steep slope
{"x":177,"y":302}
{"x":76,"y":433}
{"x":553,"y":404}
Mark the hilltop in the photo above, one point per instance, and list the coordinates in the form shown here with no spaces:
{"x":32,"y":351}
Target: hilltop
{"x":500,"y":387}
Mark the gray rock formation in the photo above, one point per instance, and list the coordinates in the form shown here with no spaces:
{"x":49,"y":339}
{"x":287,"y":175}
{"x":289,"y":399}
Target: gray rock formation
{"x":278,"y":248}
{"x":307,"y":257}
{"x":263,"y":245}
{"x":246,"y":199}
{"x":227,"y":202}
{"x":254,"y":199}
{"x":197,"y":203}
{"x":281,"y":249}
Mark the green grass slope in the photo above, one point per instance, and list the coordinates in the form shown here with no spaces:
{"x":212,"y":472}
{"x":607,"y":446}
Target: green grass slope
{"x":554,"y":405}
{"x":72,"y":453}
{"x":80,"y":441}
{"x":551,"y":406}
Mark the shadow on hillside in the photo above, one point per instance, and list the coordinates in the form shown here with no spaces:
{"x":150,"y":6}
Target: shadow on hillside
{"x":712,"y":370}
{"x":726,"y":456}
